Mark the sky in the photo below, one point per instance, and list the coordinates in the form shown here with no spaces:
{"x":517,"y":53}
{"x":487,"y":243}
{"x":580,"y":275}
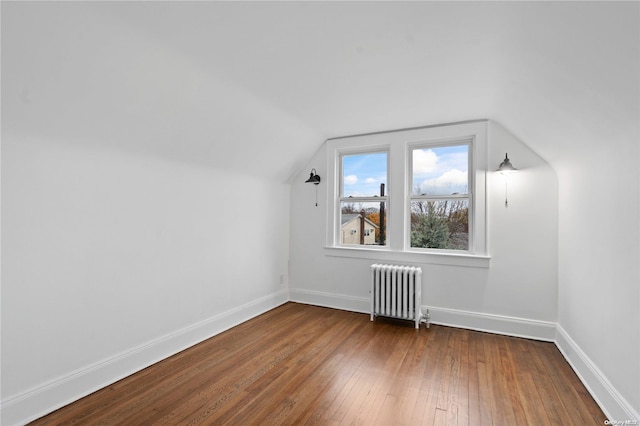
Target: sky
{"x":436,"y":171}
{"x":362,"y":174}
{"x":441,"y":171}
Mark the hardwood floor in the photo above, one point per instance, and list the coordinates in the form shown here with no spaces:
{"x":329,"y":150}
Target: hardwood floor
{"x":300,"y":364}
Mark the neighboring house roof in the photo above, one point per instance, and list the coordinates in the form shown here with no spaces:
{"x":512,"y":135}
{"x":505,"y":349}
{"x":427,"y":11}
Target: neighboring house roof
{"x":346,"y":218}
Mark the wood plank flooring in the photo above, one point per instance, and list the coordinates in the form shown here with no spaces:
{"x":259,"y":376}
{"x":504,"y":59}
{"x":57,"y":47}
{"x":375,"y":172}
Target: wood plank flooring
{"x":300,"y":364}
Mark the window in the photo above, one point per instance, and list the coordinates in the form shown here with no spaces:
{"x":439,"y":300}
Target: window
{"x":363,"y":198}
{"x":440,"y":197}
{"x":414,"y":193}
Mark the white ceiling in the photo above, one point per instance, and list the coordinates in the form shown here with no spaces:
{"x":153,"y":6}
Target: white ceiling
{"x":261,"y":85}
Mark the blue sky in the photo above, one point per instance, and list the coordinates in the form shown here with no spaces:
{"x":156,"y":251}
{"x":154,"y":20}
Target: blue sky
{"x":436,"y":171}
{"x":363,"y":174}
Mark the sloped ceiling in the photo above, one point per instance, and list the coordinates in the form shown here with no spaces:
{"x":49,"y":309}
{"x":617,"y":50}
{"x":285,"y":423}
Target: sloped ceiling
{"x":259,"y":86}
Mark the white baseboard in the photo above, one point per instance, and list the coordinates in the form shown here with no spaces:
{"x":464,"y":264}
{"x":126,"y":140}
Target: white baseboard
{"x":496,"y":324}
{"x":330,"y":300}
{"x":30,"y":405}
{"x":606,"y":396}
{"x":615,"y":406}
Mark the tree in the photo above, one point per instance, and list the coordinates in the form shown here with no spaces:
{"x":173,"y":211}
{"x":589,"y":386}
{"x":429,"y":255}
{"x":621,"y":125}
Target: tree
{"x":349,"y":209}
{"x":375,"y":218}
{"x":430,"y":230}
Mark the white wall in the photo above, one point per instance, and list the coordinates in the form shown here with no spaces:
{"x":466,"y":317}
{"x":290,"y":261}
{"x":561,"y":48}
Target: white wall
{"x":517,"y":294}
{"x":82,"y":73}
{"x":599,"y":279}
{"x":144,"y":200}
{"x":571,"y":89}
{"x":105,"y":252}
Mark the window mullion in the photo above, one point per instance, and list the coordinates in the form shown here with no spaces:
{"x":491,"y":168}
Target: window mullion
{"x":363,"y":199}
{"x":440,"y":197}
{"x":397,"y":191}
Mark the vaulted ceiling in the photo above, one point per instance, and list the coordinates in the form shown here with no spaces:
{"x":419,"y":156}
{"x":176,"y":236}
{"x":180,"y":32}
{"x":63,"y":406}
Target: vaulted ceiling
{"x":258,"y":86}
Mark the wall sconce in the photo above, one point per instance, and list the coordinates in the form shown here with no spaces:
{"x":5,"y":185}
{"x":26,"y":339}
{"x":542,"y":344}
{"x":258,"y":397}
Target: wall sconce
{"x":314,"y":178}
{"x":506,"y":168}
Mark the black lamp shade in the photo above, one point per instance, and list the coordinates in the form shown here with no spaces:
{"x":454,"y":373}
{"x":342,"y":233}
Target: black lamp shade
{"x":313,"y":177}
{"x":506,"y":167}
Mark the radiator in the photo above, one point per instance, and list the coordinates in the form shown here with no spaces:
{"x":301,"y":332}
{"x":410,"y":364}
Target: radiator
{"x":397,"y":292}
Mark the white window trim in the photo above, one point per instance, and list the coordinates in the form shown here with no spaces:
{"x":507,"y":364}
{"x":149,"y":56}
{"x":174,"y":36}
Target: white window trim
{"x":398,"y":144}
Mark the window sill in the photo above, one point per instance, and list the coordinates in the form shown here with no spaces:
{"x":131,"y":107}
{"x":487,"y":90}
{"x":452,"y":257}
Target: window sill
{"x":378,"y":254}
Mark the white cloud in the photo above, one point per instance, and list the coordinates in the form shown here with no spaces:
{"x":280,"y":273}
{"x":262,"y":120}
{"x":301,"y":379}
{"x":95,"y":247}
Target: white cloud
{"x":371,"y":180}
{"x":424,"y":161}
{"x":350,"y":180}
{"x":459,"y":160}
{"x":454,"y":179}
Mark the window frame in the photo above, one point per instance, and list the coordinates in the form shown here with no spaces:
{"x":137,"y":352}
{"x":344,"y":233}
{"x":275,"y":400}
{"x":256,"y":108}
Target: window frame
{"x":340,"y":153}
{"x":469,"y":196}
{"x":398,"y":188}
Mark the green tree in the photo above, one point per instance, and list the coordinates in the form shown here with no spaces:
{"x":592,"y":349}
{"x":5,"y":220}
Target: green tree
{"x":430,"y":230}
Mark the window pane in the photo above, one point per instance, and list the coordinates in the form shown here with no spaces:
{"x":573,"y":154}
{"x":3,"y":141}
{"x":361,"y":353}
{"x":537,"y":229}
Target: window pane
{"x":442,"y":224}
{"x":362,"y":174}
{"x":355,"y":230}
{"x":440,"y":170}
